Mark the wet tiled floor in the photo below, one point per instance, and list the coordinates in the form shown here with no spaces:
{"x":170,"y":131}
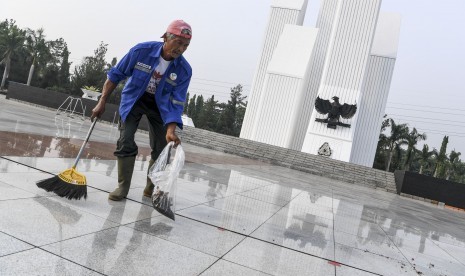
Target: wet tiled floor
{"x":234,"y":216}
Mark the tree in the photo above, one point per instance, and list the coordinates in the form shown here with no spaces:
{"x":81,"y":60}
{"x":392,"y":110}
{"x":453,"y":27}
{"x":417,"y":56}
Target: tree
{"x":381,"y":148}
{"x":454,"y":163}
{"x":11,"y":39}
{"x":397,"y":161}
{"x":229,"y":122}
{"x":198,"y":109}
{"x":61,"y":50}
{"x":37,"y":48}
{"x":398,"y":136}
{"x":412,"y":139}
{"x":425,"y":161}
{"x":54,"y":71}
{"x":92,"y":71}
{"x":460,"y":173}
{"x":425,"y":157}
{"x":191,"y":107}
{"x":40,"y":62}
{"x":207,"y":118}
{"x":385,"y":124}
{"x":439,"y":169}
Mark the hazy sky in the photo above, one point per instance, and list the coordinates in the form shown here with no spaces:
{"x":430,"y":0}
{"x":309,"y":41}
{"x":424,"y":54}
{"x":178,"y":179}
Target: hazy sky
{"x":427,"y":89}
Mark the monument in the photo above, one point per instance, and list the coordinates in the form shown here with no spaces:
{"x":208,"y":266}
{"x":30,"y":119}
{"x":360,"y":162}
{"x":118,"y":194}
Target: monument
{"x":347,"y":63}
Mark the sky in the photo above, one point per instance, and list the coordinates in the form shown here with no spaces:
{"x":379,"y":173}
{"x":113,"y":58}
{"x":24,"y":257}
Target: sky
{"x":428,"y":85}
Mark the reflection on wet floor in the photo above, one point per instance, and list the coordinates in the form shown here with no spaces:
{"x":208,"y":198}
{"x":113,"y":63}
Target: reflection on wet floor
{"x":37,"y":145}
{"x":234,"y":216}
{"x":34,"y":145}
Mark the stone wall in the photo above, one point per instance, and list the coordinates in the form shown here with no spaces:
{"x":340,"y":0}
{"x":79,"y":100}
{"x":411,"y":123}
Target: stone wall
{"x":313,"y":164}
{"x":309,"y":163}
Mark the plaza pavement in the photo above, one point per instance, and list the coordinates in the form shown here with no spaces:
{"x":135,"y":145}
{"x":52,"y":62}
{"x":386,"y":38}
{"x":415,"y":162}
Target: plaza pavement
{"x":234,"y":216}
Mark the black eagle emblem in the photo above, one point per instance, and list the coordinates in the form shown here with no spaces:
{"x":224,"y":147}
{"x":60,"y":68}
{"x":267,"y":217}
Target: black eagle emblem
{"x":335,"y":110}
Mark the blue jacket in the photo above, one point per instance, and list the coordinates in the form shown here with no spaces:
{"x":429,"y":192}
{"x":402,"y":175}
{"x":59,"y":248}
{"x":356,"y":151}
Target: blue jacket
{"x":138,"y":64}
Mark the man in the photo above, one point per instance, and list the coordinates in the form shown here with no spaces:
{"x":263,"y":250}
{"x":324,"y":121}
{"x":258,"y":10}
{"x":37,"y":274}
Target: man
{"x":158,"y":78}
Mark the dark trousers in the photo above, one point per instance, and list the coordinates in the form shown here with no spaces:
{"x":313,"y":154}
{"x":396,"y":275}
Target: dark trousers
{"x":126,"y":145}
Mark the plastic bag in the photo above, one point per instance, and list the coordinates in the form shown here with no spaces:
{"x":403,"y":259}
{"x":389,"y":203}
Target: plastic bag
{"x":163,"y":174}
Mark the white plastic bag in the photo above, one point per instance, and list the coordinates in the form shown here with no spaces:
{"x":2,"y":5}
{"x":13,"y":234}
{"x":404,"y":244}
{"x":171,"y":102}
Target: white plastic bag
{"x":163,"y":174}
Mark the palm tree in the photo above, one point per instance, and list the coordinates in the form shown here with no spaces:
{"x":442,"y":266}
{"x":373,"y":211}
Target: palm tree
{"x":396,"y":162}
{"x":425,"y":157}
{"x":381,"y":147}
{"x":412,"y":139}
{"x":37,"y":48}
{"x":454,"y":163}
{"x":460,"y":173}
{"x":398,"y":136}
{"x":11,"y":39}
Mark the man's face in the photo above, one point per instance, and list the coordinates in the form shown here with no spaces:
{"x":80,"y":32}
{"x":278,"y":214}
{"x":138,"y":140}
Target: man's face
{"x":175,"y":47}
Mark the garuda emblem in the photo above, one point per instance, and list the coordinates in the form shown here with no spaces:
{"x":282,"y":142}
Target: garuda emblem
{"x":335,"y":111}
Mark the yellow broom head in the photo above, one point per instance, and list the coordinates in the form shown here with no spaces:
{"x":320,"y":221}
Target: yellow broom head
{"x":70,"y":184}
{"x":73,"y":177}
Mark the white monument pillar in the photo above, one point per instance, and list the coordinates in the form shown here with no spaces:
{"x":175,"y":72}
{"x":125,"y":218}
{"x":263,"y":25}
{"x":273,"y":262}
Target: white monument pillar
{"x":284,"y":88}
{"x":375,"y":89}
{"x":282,"y":12}
{"x":325,"y":24}
{"x":343,"y":73}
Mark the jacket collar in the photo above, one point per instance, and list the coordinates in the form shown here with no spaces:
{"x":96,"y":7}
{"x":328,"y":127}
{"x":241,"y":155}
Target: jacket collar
{"x":156,"y":52}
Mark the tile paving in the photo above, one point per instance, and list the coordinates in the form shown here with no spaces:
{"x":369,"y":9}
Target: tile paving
{"x":235,"y":216}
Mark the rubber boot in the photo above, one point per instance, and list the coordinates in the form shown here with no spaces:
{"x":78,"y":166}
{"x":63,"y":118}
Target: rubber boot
{"x":149,"y":186}
{"x":125,"y":170}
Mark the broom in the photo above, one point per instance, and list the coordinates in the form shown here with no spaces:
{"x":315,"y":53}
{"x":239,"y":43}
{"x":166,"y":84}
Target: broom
{"x":69,"y":183}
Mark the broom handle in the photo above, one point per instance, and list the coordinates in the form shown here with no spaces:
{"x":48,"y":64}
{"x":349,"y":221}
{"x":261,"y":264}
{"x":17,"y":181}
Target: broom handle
{"x":85,"y":142}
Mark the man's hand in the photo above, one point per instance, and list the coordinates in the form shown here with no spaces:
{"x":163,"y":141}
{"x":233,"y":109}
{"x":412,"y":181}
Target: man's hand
{"x":171,"y":135}
{"x":98,"y":110}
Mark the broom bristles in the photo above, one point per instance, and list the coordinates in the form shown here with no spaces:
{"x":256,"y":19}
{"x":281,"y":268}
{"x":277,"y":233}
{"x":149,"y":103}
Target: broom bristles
{"x":70,"y":191}
{"x":48,"y":184}
{"x":64,"y":188}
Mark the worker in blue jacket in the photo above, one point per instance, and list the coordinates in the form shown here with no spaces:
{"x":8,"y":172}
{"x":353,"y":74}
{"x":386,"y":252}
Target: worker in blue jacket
{"x":158,"y":78}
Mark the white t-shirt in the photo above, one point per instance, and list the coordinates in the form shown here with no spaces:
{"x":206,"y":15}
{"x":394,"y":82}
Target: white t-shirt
{"x":157,"y":75}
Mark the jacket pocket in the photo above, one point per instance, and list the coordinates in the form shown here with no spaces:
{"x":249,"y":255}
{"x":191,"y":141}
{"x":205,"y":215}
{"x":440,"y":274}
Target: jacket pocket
{"x":168,"y":89}
{"x":139,"y":77}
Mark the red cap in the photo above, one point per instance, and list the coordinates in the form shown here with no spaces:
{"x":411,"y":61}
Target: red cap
{"x":180,"y":28}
